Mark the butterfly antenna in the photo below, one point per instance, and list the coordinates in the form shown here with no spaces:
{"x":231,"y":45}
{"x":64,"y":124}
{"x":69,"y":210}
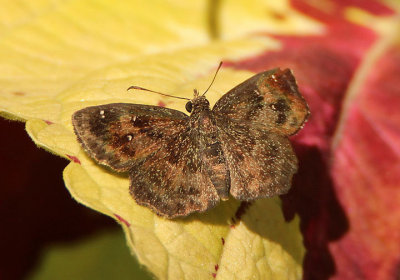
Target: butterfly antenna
{"x":145,"y":89}
{"x":216,"y":72}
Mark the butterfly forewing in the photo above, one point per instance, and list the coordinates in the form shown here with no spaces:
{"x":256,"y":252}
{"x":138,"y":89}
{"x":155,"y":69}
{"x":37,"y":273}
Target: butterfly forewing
{"x":268,"y":101}
{"x":118,"y":135}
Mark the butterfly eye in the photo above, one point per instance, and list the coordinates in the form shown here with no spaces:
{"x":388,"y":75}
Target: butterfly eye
{"x":188,"y":106}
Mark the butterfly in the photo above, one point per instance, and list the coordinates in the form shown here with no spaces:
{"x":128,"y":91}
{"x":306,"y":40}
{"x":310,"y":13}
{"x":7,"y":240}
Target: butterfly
{"x":179,"y":164}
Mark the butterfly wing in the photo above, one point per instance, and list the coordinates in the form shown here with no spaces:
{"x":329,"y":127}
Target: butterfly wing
{"x":119,"y":134}
{"x":158,"y":149}
{"x":261,"y":164}
{"x":254,"y":120}
{"x":173,"y":181}
{"x":267,"y":101}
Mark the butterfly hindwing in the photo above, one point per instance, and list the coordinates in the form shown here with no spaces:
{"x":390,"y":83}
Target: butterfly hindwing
{"x":173,"y":181}
{"x":261,"y":164}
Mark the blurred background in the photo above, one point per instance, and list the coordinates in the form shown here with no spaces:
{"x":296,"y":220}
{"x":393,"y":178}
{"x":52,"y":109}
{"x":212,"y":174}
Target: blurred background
{"x":45,"y":233}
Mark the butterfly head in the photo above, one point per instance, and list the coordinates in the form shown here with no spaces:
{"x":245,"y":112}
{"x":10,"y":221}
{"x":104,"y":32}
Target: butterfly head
{"x":198,"y":103}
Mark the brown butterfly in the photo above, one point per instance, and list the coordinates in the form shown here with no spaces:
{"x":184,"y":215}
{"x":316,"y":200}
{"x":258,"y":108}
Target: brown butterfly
{"x":179,"y":163}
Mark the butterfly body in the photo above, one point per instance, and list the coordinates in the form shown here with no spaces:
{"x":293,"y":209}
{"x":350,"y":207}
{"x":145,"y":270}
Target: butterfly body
{"x":179,"y":164}
{"x":203,"y":124}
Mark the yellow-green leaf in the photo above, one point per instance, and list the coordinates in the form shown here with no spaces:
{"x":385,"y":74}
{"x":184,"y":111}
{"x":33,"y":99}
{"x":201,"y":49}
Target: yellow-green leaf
{"x":81,"y":53}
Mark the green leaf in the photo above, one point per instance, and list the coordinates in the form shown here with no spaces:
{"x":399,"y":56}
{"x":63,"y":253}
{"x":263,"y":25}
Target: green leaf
{"x":104,"y":256}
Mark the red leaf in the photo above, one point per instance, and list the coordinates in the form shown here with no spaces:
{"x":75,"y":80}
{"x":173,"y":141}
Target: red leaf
{"x":366,"y":172}
{"x":347,"y":190}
